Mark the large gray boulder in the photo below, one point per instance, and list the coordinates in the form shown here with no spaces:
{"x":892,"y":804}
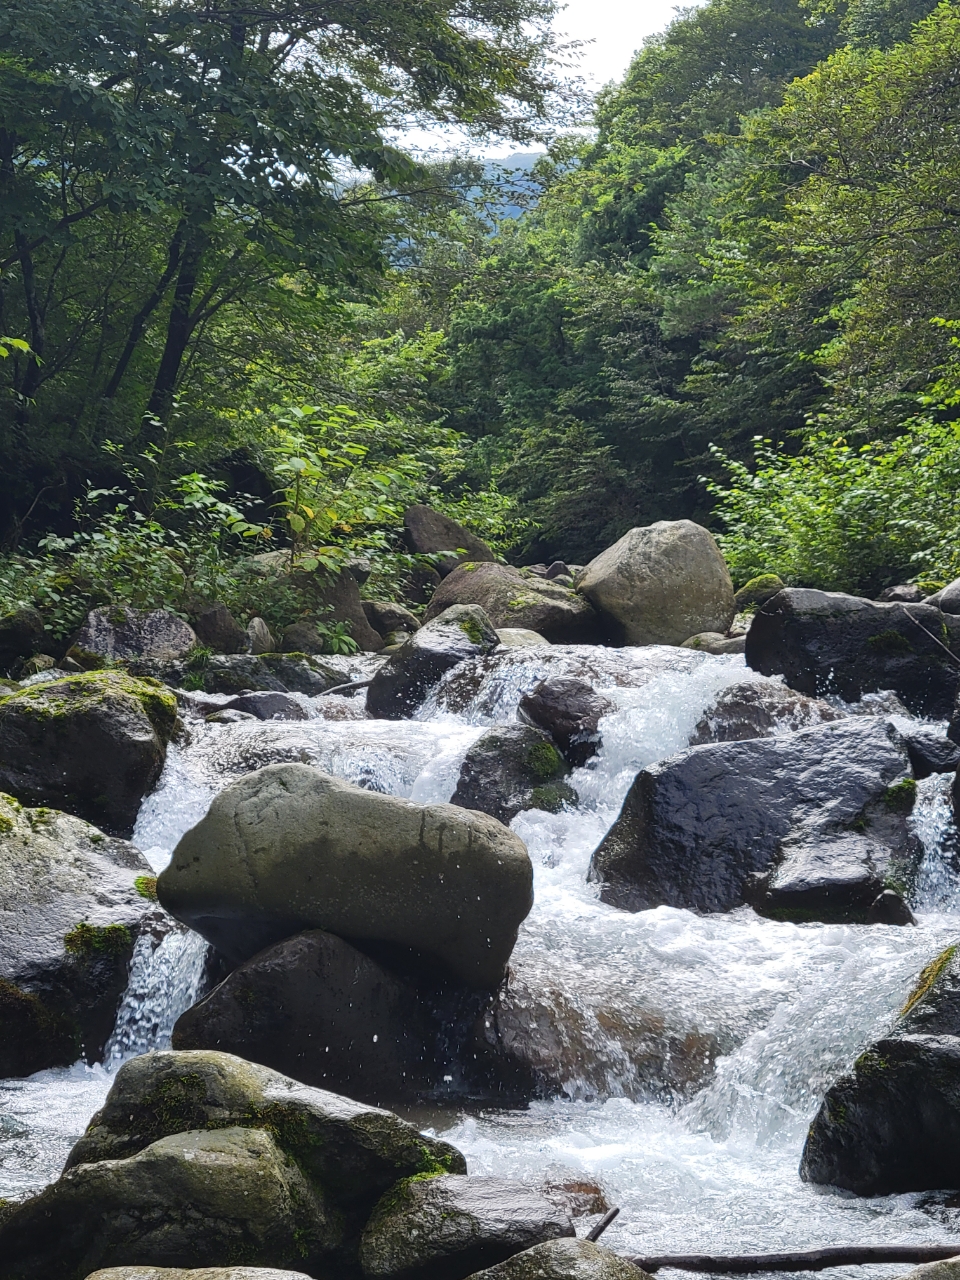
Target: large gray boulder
{"x":760,"y":709}
{"x":386,"y":617}
{"x":511,"y":768}
{"x":409,"y":675}
{"x":893,"y":1124}
{"x":514,"y":599}
{"x":197,"y":1197}
{"x":810,"y":826}
{"x":354,"y":1153}
{"x":947,"y":599}
{"x":72,"y":902}
{"x":451,"y":1226}
{"x":288,"y":848}
{"x":92,"y":745}
{"x":431,"y":532}
{"x":122,"y":634}
{"x":565,"y":1260}
{"x":317,"y":1009}
{"x":660,"y":584}
{"x":569,"y":710}
{"x":826,"y":642}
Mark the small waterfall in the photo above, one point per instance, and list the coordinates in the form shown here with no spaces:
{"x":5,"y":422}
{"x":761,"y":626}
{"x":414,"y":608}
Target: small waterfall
{"x":938,"y":884}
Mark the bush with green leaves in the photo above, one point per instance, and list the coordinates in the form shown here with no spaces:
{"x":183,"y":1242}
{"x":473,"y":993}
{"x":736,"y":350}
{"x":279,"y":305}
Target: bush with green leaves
{"x":845,"y":517}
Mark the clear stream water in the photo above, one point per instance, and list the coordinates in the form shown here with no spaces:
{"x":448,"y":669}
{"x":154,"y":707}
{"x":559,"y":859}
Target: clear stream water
{"x":712,"y":1168}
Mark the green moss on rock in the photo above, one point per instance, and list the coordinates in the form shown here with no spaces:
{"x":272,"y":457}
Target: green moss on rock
{"x":928,"y":979}
{"x":74,"y":694}
{"x":901,"y":797}
{"x":890,"y":642}
{"x":88,"y":939}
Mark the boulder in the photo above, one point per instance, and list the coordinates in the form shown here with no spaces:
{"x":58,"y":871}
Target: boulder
{"x":122,"y":634}
{"x":563,"y":1260}
{"x":758,"y":591}
{"x":21,"y":635}
{"x":511,"y":768}
{"x":513,"y":599}
{"x":760,"y":709}
{"x":520,"y":638}
{"x":259,"y":637}
{"x":569,"y":710}
{"x":203,"y":1273}
{"x":246,"y":672}
{"x":420,"y":584}
{"x":893,"y":1124}
{"x":302,"y":637}
{"x":930,"y":752}
{"x":448,"y":1227}
{"x":948,"y":1269}
{"x":408,"y":676}
{"x":808,"y":826}
{"x":948,"y":599}
{"x":385,"y":616}
{"x":92,"y":745}
{"x":716,"y":642}
{"x":72,"y":901}
{"x":660,"y":585}
{"x":199,"y":1197}
{"x":430,"y":532}
{"x":904,"y":593}
{"x":288,"y":848}
{"x":218,"y":629}
{"x":316,"y":1008}
{"x":268,"y":706}
{"x":827,"y":642}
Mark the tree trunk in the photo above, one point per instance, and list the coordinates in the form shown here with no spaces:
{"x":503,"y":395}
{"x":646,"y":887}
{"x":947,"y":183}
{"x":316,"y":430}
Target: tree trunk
{"x":38,"y":337}
{"x":179,"y":326}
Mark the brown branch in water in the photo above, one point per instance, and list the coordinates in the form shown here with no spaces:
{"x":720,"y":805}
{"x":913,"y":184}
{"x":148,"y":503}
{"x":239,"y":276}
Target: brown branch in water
{"x":810,"y":1260}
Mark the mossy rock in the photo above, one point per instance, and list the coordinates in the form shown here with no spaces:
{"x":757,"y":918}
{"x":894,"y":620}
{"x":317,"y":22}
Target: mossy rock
{"x":758,"y":591}
{"x":512,"y":768}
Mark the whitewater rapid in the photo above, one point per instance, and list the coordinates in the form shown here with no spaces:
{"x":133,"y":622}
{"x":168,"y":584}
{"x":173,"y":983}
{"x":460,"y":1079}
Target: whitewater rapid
{"x":788,"y":1006}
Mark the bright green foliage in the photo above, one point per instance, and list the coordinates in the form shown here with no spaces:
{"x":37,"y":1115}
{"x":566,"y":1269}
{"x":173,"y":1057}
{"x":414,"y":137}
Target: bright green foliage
{"x":843,"y":517}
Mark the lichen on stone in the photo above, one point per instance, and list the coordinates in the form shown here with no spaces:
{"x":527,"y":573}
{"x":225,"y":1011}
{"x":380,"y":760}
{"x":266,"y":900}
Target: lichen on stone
{"x":928,"y":978}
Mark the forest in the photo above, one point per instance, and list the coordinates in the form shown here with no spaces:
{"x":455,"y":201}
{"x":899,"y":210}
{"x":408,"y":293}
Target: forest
{"x":237,"y":316}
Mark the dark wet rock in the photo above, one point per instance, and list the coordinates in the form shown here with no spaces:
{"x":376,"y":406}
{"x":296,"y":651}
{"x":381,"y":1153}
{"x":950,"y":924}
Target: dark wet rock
{"x":948,"y":599}
{"x":92,"y":745}
{"x":420,"y":584}
{"x":385,"y":616}
{"x":564,"y":1260}
{"x":660,"y":585}
{"x":316,"y":1008}
{"x":72,"y":902}
{"x":247,"y":673}
{"x":268,"y":706}
{"x":514,"y":599}
{"x":575,"y":1194}
{"x":122,"y":634}
{"x":21,"y":635}
{"x":448,"y":1227}
{"x":825,"y":642}
{"x":511,"y":768}
{"x":716,"y":642}
{"x":407,"y":677}
{"x":259,"y":637}
{"x":759,"y":709}
{"x":904,"y":593}
{"x":430,"y":532}
{"x":218,"y":629}
{"x":893,"y":1124}
{"x":930,"y":752}
{"x":569,"y":710}
{"x":358,"y":567}
{"x":890,"y":908}
{"x":809,"y":825}
{"x":209,"y":1198}
{"x":302,"y":637}
{"x":202,"y":1273}
{"x":758,"y":591}
{"x":288,"y":848}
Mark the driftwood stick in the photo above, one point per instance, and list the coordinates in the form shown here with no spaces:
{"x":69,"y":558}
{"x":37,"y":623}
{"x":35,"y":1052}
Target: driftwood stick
{"x":596,"y":1232}
{"x":811,"y":1260}
{"x":939,"y":643}
{"x":346,"y":688}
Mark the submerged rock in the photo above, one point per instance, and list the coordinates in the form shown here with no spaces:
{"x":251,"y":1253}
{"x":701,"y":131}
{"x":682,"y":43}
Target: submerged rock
{"x":268,"y":706}
{"x":511,"y":768}
{"x":450,"y":1226}
{"x":408,"y":676}
{"x":893,"y":1124}
{"x":570,"y":711}
{"x":122,"y":634}
{"x":430,"y":532}
{"x":72,"y":901}
{"x":317,"y":1009}
{"x":516,"y":600}
{"x":564,"y":1260}
{"x":660,"y":584}
{"x":809,"y":825}
{"x":92,"y":745}
{"x":826,"y":642}
{"x":288,"y":848}
{"x":213,"y":1198}
{"x":760,"y":709}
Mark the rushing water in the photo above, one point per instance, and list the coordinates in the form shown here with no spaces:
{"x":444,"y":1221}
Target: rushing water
{"x":619,"y":998}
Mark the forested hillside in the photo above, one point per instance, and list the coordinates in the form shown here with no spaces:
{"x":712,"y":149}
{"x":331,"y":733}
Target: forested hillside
{"x":239,"y":318}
